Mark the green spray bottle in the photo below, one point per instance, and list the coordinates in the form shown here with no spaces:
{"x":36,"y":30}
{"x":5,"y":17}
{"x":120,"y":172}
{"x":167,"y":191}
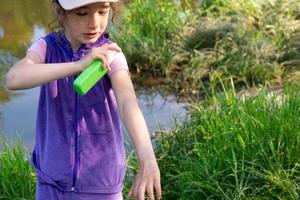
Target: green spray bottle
{"x":89,"y":77}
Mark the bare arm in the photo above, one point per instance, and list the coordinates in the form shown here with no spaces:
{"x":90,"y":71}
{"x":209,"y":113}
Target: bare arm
{"x":31,"y":71}
{"x":148,"y":176}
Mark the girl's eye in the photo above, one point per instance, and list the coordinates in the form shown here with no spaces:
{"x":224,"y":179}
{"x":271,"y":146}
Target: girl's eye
{"x":81,"y":13}
{"x":102,"y":12}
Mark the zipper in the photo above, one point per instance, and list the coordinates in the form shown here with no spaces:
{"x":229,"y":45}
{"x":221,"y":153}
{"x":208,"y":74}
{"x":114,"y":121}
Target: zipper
{"x":75,"y":163}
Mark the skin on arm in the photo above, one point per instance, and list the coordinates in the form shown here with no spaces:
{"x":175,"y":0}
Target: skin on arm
{"x":31,"y":71}
{"x":148,"y":177}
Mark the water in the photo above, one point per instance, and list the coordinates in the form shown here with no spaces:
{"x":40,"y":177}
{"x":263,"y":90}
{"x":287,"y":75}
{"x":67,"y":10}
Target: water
{"x":23,"y":22}
{"x":18,"y":115}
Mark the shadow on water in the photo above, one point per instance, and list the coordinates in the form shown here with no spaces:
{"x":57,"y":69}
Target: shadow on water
{"x":18,"y":20}
{"x":18,"y":115}
{"x":21,"y":23}
{"x":18,"y":23}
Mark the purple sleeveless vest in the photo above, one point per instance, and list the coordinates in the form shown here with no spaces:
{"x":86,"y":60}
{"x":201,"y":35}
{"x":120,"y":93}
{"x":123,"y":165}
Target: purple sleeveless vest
{"x":79,"y":144}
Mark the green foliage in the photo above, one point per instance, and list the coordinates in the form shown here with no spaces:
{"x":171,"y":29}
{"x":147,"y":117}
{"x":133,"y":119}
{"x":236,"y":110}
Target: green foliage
{"x":255,"y":42}
{"x":235,"y":148}
{"x":6,"y":60}
{"x":18,"y":20}
{"x":146,"y":33}
{"x":232,"y":148}
{"x":132,"y":165}
{"x":228,"y":7}
{"x":17,"y":177}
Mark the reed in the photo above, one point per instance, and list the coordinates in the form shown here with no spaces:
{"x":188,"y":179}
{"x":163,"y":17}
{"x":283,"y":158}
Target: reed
{"x":235,"y":148}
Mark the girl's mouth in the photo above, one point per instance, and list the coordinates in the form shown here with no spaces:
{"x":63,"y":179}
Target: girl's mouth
{"x":91,"y":35}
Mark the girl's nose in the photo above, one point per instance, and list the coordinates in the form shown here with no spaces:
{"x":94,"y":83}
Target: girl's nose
{"x":94,"y":21}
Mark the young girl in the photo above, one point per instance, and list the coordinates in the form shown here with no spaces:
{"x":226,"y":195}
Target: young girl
{"x":79,"y":152}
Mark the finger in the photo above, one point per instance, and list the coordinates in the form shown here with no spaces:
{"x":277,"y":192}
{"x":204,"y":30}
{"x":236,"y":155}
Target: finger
{"x":150,"y":191}
{"x":129,"y":195}
{"x":157,"y":187}
{"x":107,"y":46}
{"x":107,"y":61}
{"x":141,"y":188}
{"x":131,"y":192}
{"x":141,"y":192}
{"x":114,"y":46}
{"x":104,"y":60}
{"x":139,"y":185}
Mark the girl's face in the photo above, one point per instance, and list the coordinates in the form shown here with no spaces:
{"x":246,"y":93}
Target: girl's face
{"x":85,"y":25}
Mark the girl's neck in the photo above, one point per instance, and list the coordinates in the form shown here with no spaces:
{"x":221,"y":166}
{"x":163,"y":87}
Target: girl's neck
{"x":74,"y":44}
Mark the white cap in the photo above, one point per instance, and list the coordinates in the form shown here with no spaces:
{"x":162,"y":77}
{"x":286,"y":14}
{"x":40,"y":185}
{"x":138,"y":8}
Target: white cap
{"x":72,"y":4}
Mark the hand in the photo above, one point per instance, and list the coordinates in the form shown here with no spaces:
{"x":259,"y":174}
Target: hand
{"x":147,"y":178}
{"x":101,"y":53}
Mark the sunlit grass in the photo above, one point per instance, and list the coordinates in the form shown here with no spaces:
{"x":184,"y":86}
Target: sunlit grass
{"x":235,"y":148}
{"x":17,"y":177}
{"x":254,"y":41}
{"x":146,"y":32}
{"x":232,"y":147}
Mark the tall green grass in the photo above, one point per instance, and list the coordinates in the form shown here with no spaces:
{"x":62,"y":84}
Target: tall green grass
{"x":235,"y":148}
{"x":17,"y":177}
{"x":253,"y":41}
{"x":146,"y":31}
{"x":231,"y":147}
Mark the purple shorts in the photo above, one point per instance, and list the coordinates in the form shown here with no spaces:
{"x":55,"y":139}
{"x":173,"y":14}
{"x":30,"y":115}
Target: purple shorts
{"x":49,"y":192}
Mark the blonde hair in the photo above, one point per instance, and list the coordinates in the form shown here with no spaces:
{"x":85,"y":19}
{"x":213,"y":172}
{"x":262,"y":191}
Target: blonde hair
{"x":59,"y":12}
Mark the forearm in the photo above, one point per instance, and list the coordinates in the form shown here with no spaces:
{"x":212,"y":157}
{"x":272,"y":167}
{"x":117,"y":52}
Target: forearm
{"x":132,"y":115}
{"x":26,"y":75}
{"x":138,"y":131}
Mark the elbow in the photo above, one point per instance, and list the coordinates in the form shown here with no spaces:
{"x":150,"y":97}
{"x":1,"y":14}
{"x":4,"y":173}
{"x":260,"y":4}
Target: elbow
{"x":11,"y":82}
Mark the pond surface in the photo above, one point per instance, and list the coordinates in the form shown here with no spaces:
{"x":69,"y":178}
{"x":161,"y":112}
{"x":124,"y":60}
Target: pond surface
{"x":18,"y":115}
{"x":23,"y":22}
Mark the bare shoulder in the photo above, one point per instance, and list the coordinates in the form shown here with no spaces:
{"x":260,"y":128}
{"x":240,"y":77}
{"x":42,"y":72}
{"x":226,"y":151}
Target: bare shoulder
{"x":31,"y":58}
{"x":122,"y":84}
{"x":120,"y":76}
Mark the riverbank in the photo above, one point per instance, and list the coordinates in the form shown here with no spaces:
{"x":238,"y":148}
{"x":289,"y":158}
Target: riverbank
{"x":234,"y":148}
{"x":195,"y":44}
{"x":231,"y":148}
